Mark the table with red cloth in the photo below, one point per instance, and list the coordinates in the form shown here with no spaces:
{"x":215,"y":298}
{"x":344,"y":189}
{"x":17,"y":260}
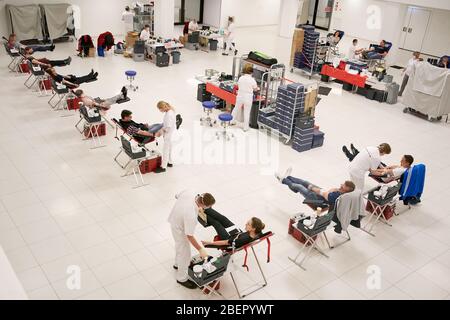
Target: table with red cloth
{"x":344,"y":76}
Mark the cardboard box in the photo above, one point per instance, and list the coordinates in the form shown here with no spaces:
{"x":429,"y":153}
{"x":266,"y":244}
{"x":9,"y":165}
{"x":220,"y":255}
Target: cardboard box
{"x":131,"y":39}
{"x":310,"y":100}
{"x":92,"y":52}
{"x":297,"y":43}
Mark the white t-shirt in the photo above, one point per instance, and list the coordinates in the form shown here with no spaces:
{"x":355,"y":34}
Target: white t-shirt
{"x":145,"y":35}
{"x":368,"y":158}
{"x":351,"y":52}
{"x":247,"y":85}
{"x":169,"y":122}
{"x":410,"y":66}
{"x":230,"y":31}
{"x":193,"y":26}
{"x":127,"y":17}
{"x":184,"y":213}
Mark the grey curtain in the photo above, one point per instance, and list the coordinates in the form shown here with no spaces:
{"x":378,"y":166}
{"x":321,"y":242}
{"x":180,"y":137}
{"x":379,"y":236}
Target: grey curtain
{"x":24,"y":21}
{"x":56,"y":16}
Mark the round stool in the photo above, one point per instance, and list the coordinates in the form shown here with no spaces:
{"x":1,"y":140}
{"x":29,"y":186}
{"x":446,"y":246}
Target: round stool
{"x":208,"y":107}
{"x":225,"y":120}
{"x":131,"y":74}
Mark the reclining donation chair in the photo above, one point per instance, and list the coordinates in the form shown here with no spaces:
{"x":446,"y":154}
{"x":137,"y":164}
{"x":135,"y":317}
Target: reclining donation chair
{"x":233,"y":249}
{"x":91,"y":126}
{"x":412,"y":184}
{"x":63,"y":93}
{"x":16,"y":58}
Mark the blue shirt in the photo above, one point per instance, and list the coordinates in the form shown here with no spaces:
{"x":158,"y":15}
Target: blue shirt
{"x":332,"y":197}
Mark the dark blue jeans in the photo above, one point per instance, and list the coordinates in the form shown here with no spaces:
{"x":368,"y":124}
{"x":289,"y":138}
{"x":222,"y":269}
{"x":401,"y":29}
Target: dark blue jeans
{"x":301,"y":186}
{"x":374,"y":55}
{"x":41,"y":48}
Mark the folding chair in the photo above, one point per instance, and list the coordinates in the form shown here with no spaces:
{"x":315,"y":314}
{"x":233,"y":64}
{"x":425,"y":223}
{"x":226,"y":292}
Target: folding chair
{"x":90,"y":128}
{"x":312,"y":235}
{"x":379,"y":205}
{"x":62,"y":93}
{"x":232,"y":250}
{"x":135,"y":157}
{"x":15,"y":56}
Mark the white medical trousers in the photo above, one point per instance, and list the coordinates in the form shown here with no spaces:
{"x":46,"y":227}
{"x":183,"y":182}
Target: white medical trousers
{"x":242,"y":109}
{"x":182,"y":253}
{"x":229,"y":44}
{"x":167,"y":150}
{"x":358,"y":180}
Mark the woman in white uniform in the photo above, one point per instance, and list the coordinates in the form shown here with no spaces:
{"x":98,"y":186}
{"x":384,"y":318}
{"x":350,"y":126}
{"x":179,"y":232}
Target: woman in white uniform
{"x":183,"y":220}
{"x":369,"y":159}
{"x":229,"y":38}
{"x":247,"y":86}
{"x":169,"y":127}
{"x":127,"y":18}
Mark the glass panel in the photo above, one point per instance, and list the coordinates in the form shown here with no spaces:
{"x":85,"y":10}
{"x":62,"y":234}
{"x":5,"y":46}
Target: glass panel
{"x":192,"y":10}
{"x":177,"y":11}
{"x":311,"y":4}
{"x":323,"y":16}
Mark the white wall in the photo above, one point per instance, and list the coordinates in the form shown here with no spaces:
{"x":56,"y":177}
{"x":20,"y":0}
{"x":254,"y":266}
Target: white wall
{"x":164,"y":18}
{"x":251,"y":12}
{"x":192,"y":9}
{"x":211,"y":12}
{"x":288,"y":17}
{"x":96,"y":16}
{"x":436,"y":4}
{"x":437,"y":38}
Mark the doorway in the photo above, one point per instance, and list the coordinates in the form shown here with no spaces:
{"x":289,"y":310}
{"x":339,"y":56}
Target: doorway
{"x":185,"y":10}
{"x":319,"y":13}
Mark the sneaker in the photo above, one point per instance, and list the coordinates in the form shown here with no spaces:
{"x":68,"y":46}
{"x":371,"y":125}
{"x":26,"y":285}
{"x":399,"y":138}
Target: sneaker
{"x":188,"y":284}
{"x":179,"y":121}
{"x":160,"y":170}
{"x":286,"y":174}
{"x":170,"y":165}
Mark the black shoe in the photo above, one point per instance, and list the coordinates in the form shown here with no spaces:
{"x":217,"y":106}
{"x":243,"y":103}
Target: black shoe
{"x":68,"y":60}
{"x":188,"y":284}
{"x":52,"y":47}
{"x":354,"y":150}
{"x":170,"y":165}
{"x":95,"y":75}
{"x":175,"y":267}
{"x":92,"y":72}
{"x":347,"y":153}
{"x":179,"y":121}
{"x":224,"y":54}
{"x":160,"y":170}
{"x":124,"y":92}
{"x":337,"y":229}
{"x":235,"y":52}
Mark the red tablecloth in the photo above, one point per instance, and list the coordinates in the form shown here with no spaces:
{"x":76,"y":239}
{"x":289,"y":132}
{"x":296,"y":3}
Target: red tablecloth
{"x":344,"y":76}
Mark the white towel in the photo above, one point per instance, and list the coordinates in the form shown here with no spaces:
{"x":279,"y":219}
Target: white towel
{"x":429,"y":79}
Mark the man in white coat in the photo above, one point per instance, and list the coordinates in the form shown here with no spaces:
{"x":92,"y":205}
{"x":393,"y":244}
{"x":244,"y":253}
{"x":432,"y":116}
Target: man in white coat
{"x":369,"y":159}
{"x":127,"y":18}
{"x":183,"y":220}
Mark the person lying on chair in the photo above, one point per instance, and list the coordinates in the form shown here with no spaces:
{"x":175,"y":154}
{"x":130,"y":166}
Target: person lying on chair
{"x":141,"y":132}
{"x":70,"y":80}
{"x":376,"y":52}
{"x":14,"y":44}
{"x":312,"y":192}
{"x":253,"y":229}
{"x":394,"y":172}
{"x":44,"y":62}
{"x":101,"y":104}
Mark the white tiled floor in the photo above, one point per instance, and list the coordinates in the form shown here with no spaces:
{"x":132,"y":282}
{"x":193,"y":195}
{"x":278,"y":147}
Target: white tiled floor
{"x":63,"y":204}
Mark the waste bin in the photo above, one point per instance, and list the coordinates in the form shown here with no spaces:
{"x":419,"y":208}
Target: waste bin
{"x":213,"y":44}
{"x":176,"y":57}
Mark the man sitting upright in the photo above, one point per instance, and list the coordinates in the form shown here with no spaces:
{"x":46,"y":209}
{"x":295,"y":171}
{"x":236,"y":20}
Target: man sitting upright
{"x":376,"y":52}
{"x":312,"y":192}
{"x":141,"y":132}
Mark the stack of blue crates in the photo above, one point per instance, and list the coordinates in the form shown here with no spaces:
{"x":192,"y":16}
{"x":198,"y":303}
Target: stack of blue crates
{"x":290,"y":104}
{"x":267,"y":117}
{"x":303,"y":134}
{"x":305,"y":59}
{"x":318,"y":137}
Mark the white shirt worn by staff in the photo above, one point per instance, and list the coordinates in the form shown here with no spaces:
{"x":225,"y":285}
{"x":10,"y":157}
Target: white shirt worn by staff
{"x":367,"y":159}
{"x":145,"y":35}
{"x":183,"y":221}
{"x":410,"y":66}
